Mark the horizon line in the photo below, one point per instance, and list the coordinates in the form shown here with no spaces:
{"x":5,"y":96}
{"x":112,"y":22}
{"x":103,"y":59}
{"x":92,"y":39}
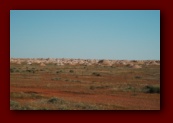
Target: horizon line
{"x":82,"y":58}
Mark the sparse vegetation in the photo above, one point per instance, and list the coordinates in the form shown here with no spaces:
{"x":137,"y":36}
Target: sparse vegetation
{"x":17,"y":106}
{"x":84,"y":87}
{"x":56,"y":79}
{"x":14,"y":105}
{"x":53,"y":104}
{"x":25,"y":95}
{"x":54,"y":100}
{"x":151,"y":89}
{"x":96,"y":74}
{"x":59,"y":71}
{"x":138,"y":77}
{"x":99,"y":87}
{"x":11,"y":70}
{"x":71,"y":71}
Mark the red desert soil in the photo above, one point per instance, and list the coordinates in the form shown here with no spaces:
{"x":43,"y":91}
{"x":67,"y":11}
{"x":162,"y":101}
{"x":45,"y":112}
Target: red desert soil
{"x":127,"y":99}
{"x":114,"y":87}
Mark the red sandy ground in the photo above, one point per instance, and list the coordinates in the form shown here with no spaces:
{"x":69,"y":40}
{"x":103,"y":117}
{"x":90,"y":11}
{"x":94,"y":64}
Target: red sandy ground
{"x":77,"y":92}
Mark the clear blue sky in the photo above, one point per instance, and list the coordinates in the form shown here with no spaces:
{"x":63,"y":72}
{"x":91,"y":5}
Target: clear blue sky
{"x":101,"y":34}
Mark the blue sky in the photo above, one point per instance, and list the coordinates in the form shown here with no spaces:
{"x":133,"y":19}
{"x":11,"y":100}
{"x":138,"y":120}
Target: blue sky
{"x":85,"y":34}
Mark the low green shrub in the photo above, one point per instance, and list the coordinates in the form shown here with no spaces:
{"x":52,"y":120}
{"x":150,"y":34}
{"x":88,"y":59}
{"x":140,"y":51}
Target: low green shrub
{"x":11,"y":70}
{"x":55,"y":100}
{"x":151,"y":89}
{"x":96,"y":74}
{"x":71,"y":71}
{"x":138,"y":77}
{"x":14,"y":105}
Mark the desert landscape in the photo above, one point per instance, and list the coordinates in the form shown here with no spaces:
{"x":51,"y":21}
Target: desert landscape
{"x":84,"y":84}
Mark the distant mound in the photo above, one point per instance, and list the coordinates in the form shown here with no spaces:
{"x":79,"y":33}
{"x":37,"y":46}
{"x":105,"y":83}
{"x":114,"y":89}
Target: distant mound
{"x":85,"y":62}
{"x":105,"y":62}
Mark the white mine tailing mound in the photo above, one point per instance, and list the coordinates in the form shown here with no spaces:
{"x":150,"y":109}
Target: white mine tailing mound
{"x":88,"y":62}
{"x":105,"y":62}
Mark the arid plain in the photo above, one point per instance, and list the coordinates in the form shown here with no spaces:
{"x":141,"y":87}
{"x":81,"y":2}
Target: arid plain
{"x":84,"y":84}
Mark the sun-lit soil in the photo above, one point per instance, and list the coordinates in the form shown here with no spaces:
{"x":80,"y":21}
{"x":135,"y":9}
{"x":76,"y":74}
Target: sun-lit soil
{"x":81,"y":87}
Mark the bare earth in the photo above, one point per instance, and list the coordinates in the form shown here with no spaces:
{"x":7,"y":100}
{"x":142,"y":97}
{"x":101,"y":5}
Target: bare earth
{"x":76,"y":84}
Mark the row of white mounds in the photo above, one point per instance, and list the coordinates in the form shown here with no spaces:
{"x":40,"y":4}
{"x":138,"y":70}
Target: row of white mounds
{"x":86,"y":62}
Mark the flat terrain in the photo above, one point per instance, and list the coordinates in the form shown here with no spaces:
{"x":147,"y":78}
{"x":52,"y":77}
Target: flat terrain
{"x":84,"y":87}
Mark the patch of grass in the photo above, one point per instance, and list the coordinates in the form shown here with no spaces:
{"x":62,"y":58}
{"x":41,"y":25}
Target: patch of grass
{"x":43,"y":108}
{"x":59,"y":71}
{"x":92,"y":87}
{"x":25,"y":107}
{"x":83,"y":106}
{"x":11,"y":70}
{"x":99,"y":87}
{"x":71,"y":71}
{"x":60,"y":104}
{"x":23,"y":95}
{"x":130,"y":88}
{"x":14,"y":70}
{"x":138,"y":77}
{"x":55,"y":100}
{"x":31,"y":71}
{"x":17,"y":106}
{"x":55,"y":103}
{"x":17,"y":71}
{"x":14,"y":105}
{"x":28,"y":70}
{"x":151,"y":89}
{"x":52,"y":100}
{"x":56,"y":79}
{"x":96,"y":74}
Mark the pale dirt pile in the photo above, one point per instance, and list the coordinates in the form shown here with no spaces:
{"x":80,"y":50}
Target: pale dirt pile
{"x":105,"y":62}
